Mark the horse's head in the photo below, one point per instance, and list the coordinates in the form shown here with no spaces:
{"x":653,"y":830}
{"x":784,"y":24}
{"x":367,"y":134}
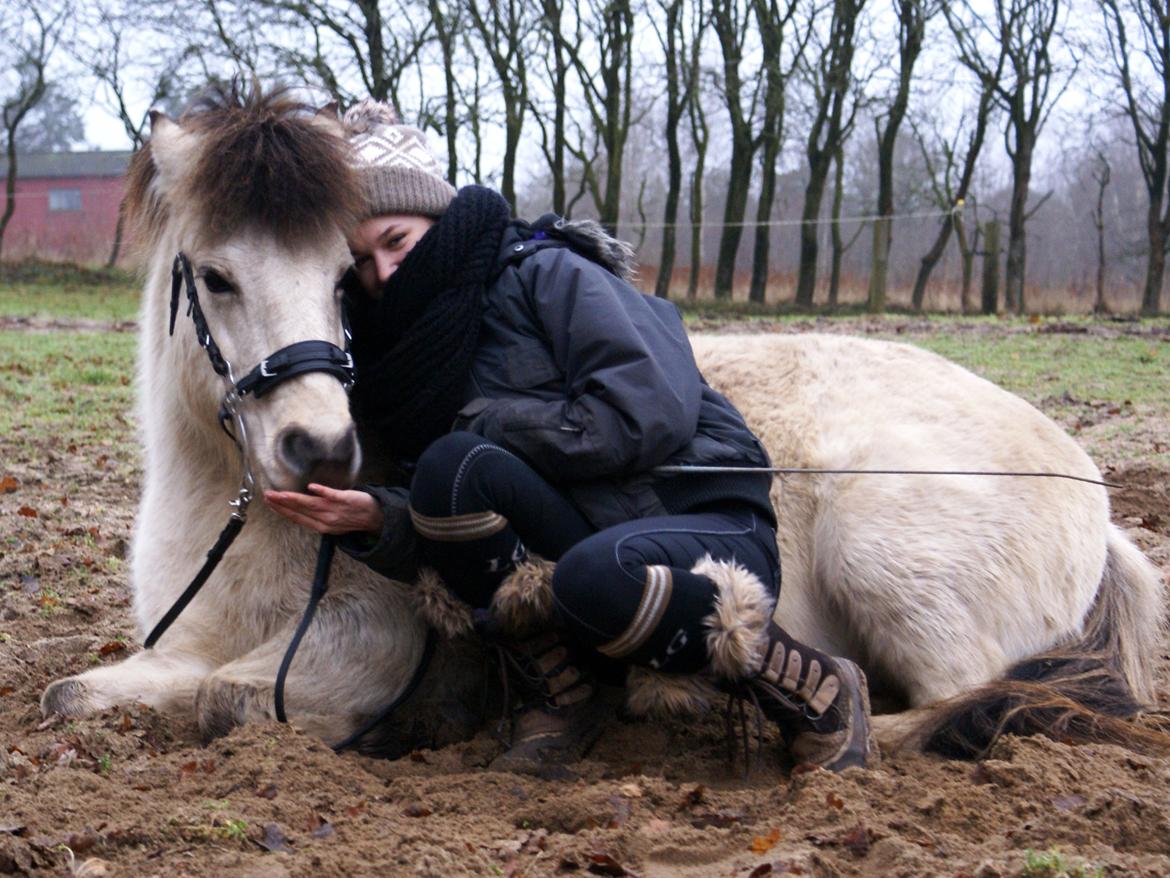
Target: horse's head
{"x":257,"y":190}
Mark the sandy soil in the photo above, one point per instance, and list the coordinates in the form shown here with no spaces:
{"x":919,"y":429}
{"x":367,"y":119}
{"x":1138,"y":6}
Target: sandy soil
{"x":131,"y":792}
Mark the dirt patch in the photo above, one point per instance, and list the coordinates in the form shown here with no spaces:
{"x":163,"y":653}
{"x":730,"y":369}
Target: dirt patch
{"x":130,"y":792}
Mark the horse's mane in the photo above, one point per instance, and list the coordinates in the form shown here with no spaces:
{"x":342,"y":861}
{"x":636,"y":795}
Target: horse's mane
{"x":261,"y":161}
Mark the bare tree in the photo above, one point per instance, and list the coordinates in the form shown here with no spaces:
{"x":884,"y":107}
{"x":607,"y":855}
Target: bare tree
{"x":912,"y":18}
{"x":505,"y":30}
{"x":839,"y":246}
{"x":682,"y":81}
{"x":830,"y":76}
{"x":700,"y":139}
{"x":774,"y":21}
{"x":32,"y":36}
{"x":557,"y":65}
{"x":108,"y":46}
{"x":607,"y":30}
{"x":1101,"y":172}
{"x":1143,"y":71}
{"x":1027,"y":32}
{"x":446,"y":19}
{"x":743,"y":91}
{"x":951,"y":194}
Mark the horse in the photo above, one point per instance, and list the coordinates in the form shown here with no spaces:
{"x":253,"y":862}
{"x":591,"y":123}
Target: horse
{"x":955,"y":593}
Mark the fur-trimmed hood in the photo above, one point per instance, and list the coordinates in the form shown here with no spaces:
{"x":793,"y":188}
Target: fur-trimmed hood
{"x":589,"y":238}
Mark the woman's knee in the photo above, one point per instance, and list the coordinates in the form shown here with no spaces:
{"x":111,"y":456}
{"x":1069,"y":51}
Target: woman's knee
{"x":438,"y":469}
{"x":585,"y":577}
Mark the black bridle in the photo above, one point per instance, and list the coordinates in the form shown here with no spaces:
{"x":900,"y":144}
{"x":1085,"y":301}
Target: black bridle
{"x":288,"y":362}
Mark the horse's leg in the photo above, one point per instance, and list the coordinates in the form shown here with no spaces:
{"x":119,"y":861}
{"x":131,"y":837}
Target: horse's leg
{"x":358,"y":654}
{"x":165,"y":680}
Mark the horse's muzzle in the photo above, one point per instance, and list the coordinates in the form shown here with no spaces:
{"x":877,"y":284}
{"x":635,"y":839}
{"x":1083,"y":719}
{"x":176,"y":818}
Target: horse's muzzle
{"x":309,"y":458}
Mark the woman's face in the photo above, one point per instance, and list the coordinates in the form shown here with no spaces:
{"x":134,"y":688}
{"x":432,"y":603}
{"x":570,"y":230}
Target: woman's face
{"x":380,"y":243}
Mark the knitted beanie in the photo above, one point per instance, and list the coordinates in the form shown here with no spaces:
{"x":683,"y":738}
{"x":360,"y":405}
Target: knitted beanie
{"x":398,"y":172}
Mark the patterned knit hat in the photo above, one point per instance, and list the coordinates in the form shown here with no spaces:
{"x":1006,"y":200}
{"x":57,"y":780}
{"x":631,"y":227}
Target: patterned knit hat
{"x":398,"y":171}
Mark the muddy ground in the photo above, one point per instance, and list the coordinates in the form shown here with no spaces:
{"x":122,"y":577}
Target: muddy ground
{"x":131,"y":792}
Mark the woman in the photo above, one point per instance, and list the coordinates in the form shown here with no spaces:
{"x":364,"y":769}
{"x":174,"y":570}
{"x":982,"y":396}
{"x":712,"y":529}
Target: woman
{"x":528,"y":392}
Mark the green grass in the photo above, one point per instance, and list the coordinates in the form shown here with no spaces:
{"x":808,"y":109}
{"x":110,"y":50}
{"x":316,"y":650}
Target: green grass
{"x":72,"y":386}
{"x":49,"y":291}
{"x":1053,"y":864}
{"x":1043,"y":366}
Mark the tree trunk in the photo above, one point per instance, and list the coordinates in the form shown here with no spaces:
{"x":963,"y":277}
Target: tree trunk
{"x":838,"y":244}
{"x":116,"y":249}
{"x":880,"y":264}
{"x":9,"y":186}
{"x":966,"y":263}
{"x":929,"y":261}
{"x":696,"y":225}
{"x":759,"y":286}
{"x":1156,"y":261}
{"x":814,"y":192}
{"x":1017,"y":219}
{"x":733,"y":213}
{"x":990,"y":303}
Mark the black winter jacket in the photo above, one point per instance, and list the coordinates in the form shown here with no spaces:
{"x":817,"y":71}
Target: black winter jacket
{"x":594,"y":384}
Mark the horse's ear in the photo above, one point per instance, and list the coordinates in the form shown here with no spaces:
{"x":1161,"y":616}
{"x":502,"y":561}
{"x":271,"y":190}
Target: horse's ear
{"x":170,"y":148}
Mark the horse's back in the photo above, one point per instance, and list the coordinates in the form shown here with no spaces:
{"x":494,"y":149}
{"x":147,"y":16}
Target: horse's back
{"x":937,"y":581}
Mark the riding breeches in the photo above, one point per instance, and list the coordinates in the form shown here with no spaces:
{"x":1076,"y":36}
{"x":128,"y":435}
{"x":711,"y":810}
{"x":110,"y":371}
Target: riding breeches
{"x":627,"y":592}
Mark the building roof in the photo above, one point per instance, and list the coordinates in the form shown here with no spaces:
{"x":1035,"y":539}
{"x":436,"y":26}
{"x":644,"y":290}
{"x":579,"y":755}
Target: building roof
{"x":41,"y":165}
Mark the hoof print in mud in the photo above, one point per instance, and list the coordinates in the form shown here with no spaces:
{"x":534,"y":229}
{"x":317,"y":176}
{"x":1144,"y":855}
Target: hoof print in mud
{"x":65,"y":697}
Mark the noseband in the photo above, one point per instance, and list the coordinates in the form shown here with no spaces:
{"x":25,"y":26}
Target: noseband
{"x":288,"y":362}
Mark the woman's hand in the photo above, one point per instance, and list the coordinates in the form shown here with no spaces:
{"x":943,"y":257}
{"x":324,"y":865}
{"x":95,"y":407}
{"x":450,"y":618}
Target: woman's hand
{"x":328,"y":510}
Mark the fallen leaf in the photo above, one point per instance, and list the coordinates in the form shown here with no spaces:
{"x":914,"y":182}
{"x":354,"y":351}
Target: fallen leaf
{"x":274,"y":839}
{"x":267,"y":792}
{"x":1068,"y":803}
{"x":692,"y":798}
{"x":834,"y":801}
{"x":604,"y":864}
{"x":761,"y":844}
{"x":857,"y":841}
{"x":419,"y":756}
{"x":112,"y":647}
{"x":416,"y":809}
{"x":354,"y":810}
{"x":188,"y":768}
{"x":762,"y":869}
{"x":6,"y":691}
{"x":8,"y":485}
{"x":27,"y":512}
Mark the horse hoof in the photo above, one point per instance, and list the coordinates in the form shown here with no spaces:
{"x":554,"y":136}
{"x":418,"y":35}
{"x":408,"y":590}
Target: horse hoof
{"x":66,"y":697}
{"x":221,"y":705}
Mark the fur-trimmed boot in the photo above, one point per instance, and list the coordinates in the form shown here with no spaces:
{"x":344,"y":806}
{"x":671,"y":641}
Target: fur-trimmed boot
{"x":557,"y":713}
{"x":556,"y":710}
{"x":819,"y":702}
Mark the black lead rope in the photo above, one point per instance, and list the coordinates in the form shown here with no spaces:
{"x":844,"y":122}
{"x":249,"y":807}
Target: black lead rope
{"x":226,"y":537}
{"x":320,"y":586}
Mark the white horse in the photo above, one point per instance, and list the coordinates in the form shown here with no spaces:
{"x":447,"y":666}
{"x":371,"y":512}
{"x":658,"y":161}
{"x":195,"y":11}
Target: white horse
{"x":936,"y":585}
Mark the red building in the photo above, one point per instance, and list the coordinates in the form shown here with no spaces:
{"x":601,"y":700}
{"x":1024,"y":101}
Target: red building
{"x":66,"y":205}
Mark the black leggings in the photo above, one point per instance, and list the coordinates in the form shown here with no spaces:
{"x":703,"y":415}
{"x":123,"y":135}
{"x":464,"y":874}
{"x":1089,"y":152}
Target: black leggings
{"x":627,"y":591}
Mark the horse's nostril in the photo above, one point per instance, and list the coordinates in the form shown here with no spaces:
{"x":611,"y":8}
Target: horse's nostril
{"x":309,"y":460}
{"x":300,"y":450}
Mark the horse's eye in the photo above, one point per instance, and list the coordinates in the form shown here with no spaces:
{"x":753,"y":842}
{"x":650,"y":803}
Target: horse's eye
{"x":217,"y":283}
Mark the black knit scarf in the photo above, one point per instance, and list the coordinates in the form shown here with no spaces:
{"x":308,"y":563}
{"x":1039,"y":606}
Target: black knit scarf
{"x":414,"y":346}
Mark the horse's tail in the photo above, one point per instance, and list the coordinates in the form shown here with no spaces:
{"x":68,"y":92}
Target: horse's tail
{"x":1086,"y":689}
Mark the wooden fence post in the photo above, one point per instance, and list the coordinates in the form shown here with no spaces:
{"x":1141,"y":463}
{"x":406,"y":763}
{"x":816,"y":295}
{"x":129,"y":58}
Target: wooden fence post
{"x":990,"y":267}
